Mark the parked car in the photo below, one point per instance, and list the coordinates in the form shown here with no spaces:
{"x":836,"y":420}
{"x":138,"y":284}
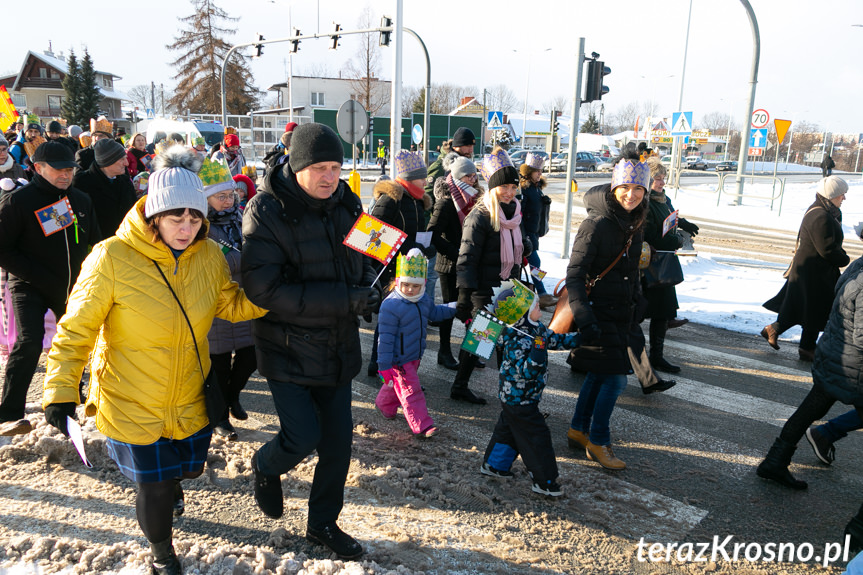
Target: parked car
{"x":519,"y":156}
{"x":666,"y":159}
{"x":695,"y":163}
{"x":605,"y":166}
{"x":586,"y":162}
{"x":726,"y":166}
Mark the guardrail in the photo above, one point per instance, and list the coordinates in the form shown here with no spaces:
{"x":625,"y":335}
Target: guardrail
{"x":719,"y":187}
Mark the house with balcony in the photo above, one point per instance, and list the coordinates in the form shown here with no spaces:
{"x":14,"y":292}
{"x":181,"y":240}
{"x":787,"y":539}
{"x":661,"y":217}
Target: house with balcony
{"x":37,"y":88}
{"x":309,"y":93}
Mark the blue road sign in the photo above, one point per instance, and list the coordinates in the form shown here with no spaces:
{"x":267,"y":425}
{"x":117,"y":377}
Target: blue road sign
{"x":681,"y":123}
{"x":494,"y":121}
{"x":758,"y":137}
{"x":151,"y":114}
{"x":417,"y":134}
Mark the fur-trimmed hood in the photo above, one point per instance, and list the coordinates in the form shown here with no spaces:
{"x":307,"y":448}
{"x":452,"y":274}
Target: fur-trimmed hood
{"x":396,"y":191}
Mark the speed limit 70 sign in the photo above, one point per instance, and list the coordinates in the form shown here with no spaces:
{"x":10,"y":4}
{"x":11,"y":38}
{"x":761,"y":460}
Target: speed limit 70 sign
{"x":760,"y":118}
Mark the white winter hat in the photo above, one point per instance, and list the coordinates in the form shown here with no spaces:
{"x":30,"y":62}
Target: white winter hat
{"x":175,"y":184}
{"x":832,"y":187}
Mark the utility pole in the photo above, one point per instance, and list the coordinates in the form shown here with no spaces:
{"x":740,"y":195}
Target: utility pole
{"x":162,"y":97}
{"x":153,"y":96}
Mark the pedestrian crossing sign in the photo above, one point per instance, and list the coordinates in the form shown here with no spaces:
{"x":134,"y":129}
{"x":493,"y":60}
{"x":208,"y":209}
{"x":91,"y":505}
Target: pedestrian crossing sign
{"x":681,"y":123}
{"x":495,"y":121}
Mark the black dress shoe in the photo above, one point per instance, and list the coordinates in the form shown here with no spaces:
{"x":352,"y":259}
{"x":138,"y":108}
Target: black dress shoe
{"x":448,"y":361}
{"x":372,"y":370}
{"x":237,"y":411}
{"x":268,"y":492}
{"x":464,"y":394}
{"x":662,"y":385}
{"x":226,"y":430}
{"x":480,"y":363}
{"x":662,"y":364}
{"x":339,"y":542}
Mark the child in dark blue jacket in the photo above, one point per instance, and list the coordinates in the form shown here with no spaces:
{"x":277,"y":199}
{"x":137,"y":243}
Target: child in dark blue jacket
{"x":521,"y":428}
{"x":402,"y":323}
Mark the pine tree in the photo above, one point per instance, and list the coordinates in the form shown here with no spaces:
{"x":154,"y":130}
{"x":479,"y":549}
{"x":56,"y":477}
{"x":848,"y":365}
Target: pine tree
{"x":202,"y":49}
{"x":591,"y":126}
{"x":89,"y":95}
{"x":71,"y":85}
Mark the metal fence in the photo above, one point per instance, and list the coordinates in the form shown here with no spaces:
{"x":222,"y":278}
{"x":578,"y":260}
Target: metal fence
{"x":258,"y":132}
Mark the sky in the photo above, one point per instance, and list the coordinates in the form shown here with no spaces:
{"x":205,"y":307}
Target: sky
{"x":808,"y":70}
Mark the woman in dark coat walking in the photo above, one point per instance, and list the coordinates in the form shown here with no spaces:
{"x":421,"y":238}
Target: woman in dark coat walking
{"x":807,"y":295}
{"x":608,"y":243}
{"x":530,"y":186}
{"x":493,"y":245}
{"x":455,"y":195}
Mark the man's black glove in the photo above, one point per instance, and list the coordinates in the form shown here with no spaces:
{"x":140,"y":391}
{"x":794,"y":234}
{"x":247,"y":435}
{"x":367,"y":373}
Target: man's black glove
{"x":464,"y":306}
{"x":374,"y":305}
{"x":363,"y":299}
{"x":56,"y":413}
{"x":590,"y":333}
{"x":688,"y":227}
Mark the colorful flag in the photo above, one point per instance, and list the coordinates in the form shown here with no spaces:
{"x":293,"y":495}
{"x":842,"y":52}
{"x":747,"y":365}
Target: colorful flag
{"x":482,"y":334}
{"x":8,"y":113}
{"x":669,"y":222}
{"x":374,"y":238}
{"x":537,"y":273}
{"x":55,"y":217}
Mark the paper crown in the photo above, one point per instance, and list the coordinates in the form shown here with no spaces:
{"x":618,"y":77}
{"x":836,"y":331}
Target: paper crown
{"x":216,"y":177}
{"x":535,"y":161}
{"x":629,"y":172}
{"x":33,"y":119}
{"x":511,"y":301}
{"x":493,"y":162}
{"x":85,"y":139}
{"x":101,"y":124}
{"x":412,"y":267}
{"x":163,"y":147}
{"x":407,"y":161}
{"x":199,"y":141}
{"x":230,"y":130}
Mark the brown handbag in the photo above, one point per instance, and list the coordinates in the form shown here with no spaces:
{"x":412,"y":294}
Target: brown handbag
{"x":562,"y":320}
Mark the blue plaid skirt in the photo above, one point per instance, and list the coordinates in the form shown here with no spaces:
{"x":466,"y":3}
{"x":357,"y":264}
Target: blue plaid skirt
{"x":164,"y":459}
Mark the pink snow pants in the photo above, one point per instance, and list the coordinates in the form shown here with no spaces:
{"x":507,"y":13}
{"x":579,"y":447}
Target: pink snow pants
{"x":406,"y":391}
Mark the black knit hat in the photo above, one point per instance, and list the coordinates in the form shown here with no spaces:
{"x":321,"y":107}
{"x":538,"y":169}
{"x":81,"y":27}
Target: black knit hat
{"x":54,"y":126}
{"x":312,"y":144}
{"x":463,"y":137}
{"x":505,"y":175}
{"x":107,"y":151}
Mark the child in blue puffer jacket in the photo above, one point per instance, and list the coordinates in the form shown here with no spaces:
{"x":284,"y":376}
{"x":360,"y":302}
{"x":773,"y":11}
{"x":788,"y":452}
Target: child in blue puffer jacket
{"x":521,"y":428}
{"x":402,"y":323}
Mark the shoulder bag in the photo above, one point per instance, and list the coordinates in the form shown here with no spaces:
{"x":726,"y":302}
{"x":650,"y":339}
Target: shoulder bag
{"x":213,"y":397}
{"x":663,"y":270}
{"x":544,"y":215}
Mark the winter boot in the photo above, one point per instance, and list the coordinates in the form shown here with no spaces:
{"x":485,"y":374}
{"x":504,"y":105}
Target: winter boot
{"x":165,"y":561}
{"x":577,"y":439}
{"x":603,"y":455}
{"x":771,"y":334}
{"x":658,"y":328}
{"x":179,"y":499}
{"x":775,"y":465}
{"x":444,"y":354}
{"x":459,"y":390}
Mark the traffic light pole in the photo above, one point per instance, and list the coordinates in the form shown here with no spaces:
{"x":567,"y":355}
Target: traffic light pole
{"x":573,"y":147}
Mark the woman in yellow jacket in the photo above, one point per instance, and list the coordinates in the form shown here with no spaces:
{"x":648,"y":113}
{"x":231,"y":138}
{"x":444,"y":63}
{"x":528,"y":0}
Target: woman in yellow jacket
{"x":146,"y":383}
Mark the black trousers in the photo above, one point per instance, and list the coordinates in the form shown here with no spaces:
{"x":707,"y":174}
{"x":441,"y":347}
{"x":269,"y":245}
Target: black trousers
{"x":233,"y":376}
{"x":312,"y":419}
{"x":522,"y":430}
{"x":815,"y":406}
{"x":29,"y":307}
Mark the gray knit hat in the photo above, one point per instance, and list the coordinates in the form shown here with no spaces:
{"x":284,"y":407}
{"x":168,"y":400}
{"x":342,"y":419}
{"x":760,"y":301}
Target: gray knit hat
{"x":461,"y":167}
{"x":174,"y":183}
{"x":832,"y":187}
{"x":107,"y":151}
{"x":75,"y":131}
{"x":3,"y":141}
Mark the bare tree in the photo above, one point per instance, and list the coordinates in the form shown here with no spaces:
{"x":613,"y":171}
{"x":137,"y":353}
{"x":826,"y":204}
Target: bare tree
{"x":444,"y":98}
{"x":362,"y":70}
{"x":559,"y":103}
{"x":501,"y":98}
{"x":316,"y":70}
{"x":624,"y":118}
{"x":140,"y":95}
{"x":716,"y":122}
{"x":413,"y":100}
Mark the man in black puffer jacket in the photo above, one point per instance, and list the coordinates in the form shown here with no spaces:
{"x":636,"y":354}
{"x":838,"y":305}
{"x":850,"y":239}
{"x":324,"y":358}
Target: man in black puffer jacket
{"x":108,"y":185}
{"x":308,"y":346}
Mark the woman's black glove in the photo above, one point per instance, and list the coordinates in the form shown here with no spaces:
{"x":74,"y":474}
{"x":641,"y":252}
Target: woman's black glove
{"x":590,"y":333}
{"x":56,"y":413}
{"x":688,"y":227}
{"x":464,"y":306}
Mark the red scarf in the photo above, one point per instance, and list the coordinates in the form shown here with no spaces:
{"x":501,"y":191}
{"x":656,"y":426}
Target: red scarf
{"x":415,"y":192}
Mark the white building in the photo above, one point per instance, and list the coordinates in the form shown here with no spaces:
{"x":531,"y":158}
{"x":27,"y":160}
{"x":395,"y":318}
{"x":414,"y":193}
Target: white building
{"x":329,"y":93}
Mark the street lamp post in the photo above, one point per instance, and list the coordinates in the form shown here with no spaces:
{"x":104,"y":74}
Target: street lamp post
{"x":526,"y":91}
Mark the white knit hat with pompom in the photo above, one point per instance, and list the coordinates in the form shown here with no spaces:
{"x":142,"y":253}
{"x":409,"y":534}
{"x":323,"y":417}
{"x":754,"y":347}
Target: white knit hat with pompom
{"x":174,"y":183}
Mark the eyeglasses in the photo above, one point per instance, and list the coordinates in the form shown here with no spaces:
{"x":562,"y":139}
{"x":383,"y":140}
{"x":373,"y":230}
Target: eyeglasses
{"x":224,"y":197}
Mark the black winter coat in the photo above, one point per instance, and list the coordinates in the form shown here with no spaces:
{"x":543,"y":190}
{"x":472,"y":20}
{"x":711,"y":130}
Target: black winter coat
{"x":478,"y":267}
{"x":295,"y":265}
{"x":661,"y":301}
{"x":838,"y":365}
{"x":615,"y":298}
{"x":84,"y":158}
{"x":395,"y":206}
{"x":49,"y":264}
{"x":807,"y":296}
{"x":112,"y":199}
{"x":531,"y":205}
{"x":446,"y":227}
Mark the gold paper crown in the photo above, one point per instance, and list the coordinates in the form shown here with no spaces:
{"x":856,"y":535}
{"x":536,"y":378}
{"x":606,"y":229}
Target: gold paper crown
{"x":85,"y":139}
{"x":415,"y":267}
{"x":630,"y":172}
{"x":215,"y":176}
{"x":163,"y":147}
{"x":101,"y":124}
{"x":511,"y":301}
{"x":230,"y":130}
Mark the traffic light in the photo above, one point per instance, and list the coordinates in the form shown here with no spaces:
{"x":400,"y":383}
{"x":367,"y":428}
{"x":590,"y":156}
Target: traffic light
{"x":386,"y":22}
{"x":295,"y":44}
{"x":336,"y":37}
{"x":596,"y":70}
{"x":372,"y":126}
{"x":259,"y":48}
